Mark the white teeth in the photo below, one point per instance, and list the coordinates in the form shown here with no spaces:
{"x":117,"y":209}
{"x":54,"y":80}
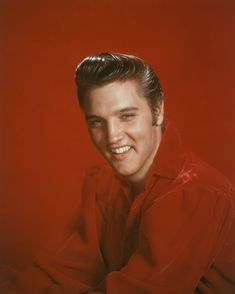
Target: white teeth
{"x":121,"y":150}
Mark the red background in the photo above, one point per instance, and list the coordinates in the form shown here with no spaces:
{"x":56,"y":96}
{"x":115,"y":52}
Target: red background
{"x":44,"y":145}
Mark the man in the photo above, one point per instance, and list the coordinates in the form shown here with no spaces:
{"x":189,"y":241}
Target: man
{"x":159,"y":220}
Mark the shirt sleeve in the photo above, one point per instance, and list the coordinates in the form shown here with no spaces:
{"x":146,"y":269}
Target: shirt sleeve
{"x":180,"y":236}
{"x":77,"y":267}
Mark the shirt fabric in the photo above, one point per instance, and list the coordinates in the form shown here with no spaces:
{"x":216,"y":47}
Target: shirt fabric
{"x":178,"y":236}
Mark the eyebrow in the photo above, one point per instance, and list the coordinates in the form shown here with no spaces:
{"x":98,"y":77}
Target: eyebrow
{"x":127,"y":109}
{"x":122,"y":110}
{"x":89,"y":117}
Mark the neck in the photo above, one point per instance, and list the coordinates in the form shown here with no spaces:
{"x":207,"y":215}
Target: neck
{"x":137,"y":189}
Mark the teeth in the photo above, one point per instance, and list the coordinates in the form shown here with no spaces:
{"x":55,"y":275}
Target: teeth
{"x":121,"y":150}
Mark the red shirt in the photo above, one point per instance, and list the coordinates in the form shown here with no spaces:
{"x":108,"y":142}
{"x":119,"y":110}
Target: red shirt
{"x":178,"y":236}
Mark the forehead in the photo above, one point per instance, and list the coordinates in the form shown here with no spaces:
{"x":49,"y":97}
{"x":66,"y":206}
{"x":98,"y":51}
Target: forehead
{"x":113,"y":97}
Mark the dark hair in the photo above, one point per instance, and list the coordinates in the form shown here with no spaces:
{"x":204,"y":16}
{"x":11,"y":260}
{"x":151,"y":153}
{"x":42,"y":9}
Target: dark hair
{"x":98,"y":70}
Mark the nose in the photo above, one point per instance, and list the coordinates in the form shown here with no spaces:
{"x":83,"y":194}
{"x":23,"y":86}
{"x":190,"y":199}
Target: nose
{"x":114,"y":132}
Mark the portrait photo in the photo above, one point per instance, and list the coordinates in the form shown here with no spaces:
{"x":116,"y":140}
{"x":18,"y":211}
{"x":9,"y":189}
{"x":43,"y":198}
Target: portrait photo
{"x":117,"y":165}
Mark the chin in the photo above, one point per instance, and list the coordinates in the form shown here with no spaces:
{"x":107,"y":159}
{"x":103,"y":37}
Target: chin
{"x":124,"y":172}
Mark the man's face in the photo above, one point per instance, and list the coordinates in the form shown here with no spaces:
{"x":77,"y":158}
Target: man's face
{"x":120,"y":125}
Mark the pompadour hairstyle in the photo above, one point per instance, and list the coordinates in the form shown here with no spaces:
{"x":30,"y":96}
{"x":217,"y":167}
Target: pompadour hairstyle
{"x":98,"y":70}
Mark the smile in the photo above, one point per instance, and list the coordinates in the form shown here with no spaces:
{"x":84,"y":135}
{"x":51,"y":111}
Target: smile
{"x":121,"y":150}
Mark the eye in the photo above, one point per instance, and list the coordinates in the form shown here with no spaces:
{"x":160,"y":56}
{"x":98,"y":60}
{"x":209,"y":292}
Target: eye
{"x":127,"y":116}
{"x":95,"y":123}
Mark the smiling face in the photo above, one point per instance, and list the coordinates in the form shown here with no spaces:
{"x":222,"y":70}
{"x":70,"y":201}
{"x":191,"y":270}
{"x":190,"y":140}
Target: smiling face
{"x":120,"y":125}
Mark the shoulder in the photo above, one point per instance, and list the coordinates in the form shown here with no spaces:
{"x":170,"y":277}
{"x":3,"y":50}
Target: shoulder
{"x":202,"y":187}
{"x":196,"y":173}
{"x":197,"y":187}
{"x":99,"y":177}
{"x":102,"y":169}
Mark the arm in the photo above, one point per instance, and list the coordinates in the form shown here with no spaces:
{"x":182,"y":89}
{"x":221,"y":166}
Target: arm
{"x":180,"y":235}
{"x":77,"y":267}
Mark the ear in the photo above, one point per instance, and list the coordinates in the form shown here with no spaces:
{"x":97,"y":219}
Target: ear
{"x":160,"y":114}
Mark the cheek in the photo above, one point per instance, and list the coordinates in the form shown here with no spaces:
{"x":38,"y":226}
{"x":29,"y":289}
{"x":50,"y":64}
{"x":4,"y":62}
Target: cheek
{"x":142,"y":129}
{"x":96,"y":137}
